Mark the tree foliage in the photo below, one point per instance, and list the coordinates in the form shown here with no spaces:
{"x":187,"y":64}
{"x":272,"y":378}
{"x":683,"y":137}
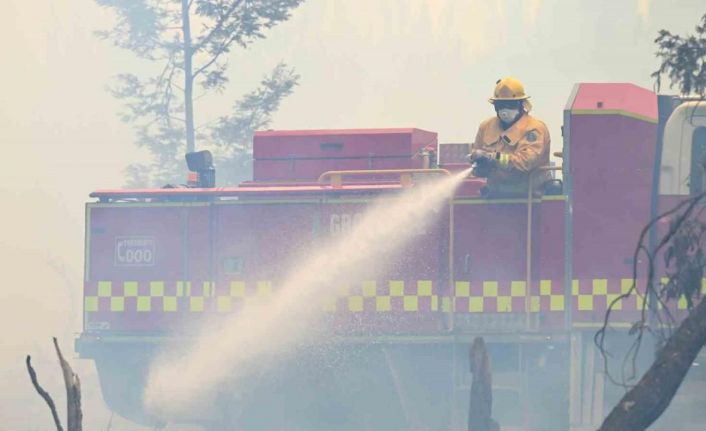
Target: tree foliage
{"x":683,"y":60}
{"x":190,"y":40}
{"x":232,"y":134}
{"x":684,"y":261}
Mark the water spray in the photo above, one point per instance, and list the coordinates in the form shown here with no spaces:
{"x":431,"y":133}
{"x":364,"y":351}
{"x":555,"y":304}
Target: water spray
{"x":227,"y":352}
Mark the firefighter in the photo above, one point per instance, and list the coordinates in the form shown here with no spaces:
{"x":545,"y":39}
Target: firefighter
{"x":511,"y":146}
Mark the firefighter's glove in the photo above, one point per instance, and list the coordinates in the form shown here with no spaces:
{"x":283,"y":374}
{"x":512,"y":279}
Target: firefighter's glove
{"x":483,"y":162}
{"x":475,"y":155}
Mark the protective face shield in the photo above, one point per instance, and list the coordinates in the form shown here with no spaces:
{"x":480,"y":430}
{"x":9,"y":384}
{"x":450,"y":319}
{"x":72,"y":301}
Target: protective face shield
{"x":507,"y":116}
{"x":508,"y":110}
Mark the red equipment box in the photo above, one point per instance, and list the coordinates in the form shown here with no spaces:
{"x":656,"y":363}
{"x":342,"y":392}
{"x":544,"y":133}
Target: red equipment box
{"x":303,"y":155}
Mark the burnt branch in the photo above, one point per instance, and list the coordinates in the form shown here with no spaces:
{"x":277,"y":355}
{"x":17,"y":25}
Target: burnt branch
{"x":73,"y":392}
{"x":42,"y":393}
{"x":481,"y":396}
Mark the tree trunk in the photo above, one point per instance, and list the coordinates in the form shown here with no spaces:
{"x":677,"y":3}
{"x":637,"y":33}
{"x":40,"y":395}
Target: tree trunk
{"x":481,"y":402}
{"x":188,"y":78}
{"x":74,"y":415}
{"x":644,"y":403}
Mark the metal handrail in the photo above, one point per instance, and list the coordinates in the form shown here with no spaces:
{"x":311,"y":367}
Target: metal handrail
{"x":405,"y":174}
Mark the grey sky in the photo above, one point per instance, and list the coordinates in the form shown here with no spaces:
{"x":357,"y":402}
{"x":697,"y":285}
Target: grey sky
{"x":364,"y":63}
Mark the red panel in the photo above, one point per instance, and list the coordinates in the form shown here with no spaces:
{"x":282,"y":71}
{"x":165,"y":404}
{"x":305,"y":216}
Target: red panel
{"x":489,"y":241}
{"x":304,"y":155}
{"x":273,"y":240}
{"x":340,"y":143}
{"x":268,"y":239}
{"x":612,"y":158}
{"x":178,"y":240}
{"x":162,"y":227}
{"x":624,"y":97}
{"x":310,"y":169}
{"x":490,"y":245}
{"x":549,"y":241}
{"x":249,"y":243}
{"x":471,"y":187}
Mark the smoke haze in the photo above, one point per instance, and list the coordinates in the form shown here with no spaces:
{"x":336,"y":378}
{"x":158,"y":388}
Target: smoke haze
{"x":422,"y":63}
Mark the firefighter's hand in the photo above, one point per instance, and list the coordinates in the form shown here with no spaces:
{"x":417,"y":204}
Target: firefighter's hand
{"x":477,"y":155}
{"x":484,"y":162}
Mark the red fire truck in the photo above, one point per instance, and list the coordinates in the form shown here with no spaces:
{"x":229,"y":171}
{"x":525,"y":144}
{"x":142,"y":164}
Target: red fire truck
{"x":531,"y":275}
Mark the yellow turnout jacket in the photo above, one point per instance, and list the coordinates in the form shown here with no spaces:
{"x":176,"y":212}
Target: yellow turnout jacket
{"x":523,"y":148}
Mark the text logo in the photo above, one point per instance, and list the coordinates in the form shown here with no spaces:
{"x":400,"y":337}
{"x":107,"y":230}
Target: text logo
{"x":135,"y":251}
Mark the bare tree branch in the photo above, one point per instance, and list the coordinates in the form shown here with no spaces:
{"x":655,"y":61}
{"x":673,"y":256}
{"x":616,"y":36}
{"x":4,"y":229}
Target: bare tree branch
{"x":651,"y":288}
{"x":74,"y":415}
{"x":47,"y":398}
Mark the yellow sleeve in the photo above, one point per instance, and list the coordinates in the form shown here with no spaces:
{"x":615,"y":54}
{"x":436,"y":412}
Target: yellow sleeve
{"x":532,"y":151}
{"x":477,"y":144}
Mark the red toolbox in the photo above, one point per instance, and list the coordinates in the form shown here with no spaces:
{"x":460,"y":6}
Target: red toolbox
{"x":303,"y":155}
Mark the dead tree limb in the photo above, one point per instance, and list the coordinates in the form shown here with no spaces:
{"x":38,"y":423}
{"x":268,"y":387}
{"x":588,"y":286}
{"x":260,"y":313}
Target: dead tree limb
{"x":481,"y":402}
{"x":74,"y":415}
{"x":47,"y":398}
{"x":645,"y":402}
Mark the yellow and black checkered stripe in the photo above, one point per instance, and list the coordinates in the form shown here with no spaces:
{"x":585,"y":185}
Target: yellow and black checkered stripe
{"x":598,"y":294}
{"x":370,"y":296}
{"x":588,"y":295}
{"x":508,"y":297}
{"x":152,"y":296}
{"x":390,"y":296}
{"x":160,"y":296}
{"x":594,"y":295}
{"x":239,"y":293}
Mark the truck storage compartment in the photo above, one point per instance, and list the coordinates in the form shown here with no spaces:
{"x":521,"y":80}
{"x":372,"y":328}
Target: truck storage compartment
{"x":304,"y":155}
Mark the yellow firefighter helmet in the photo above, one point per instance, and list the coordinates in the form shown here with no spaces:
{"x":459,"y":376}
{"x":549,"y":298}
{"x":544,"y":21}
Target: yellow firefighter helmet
{"x":508,"y":89}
